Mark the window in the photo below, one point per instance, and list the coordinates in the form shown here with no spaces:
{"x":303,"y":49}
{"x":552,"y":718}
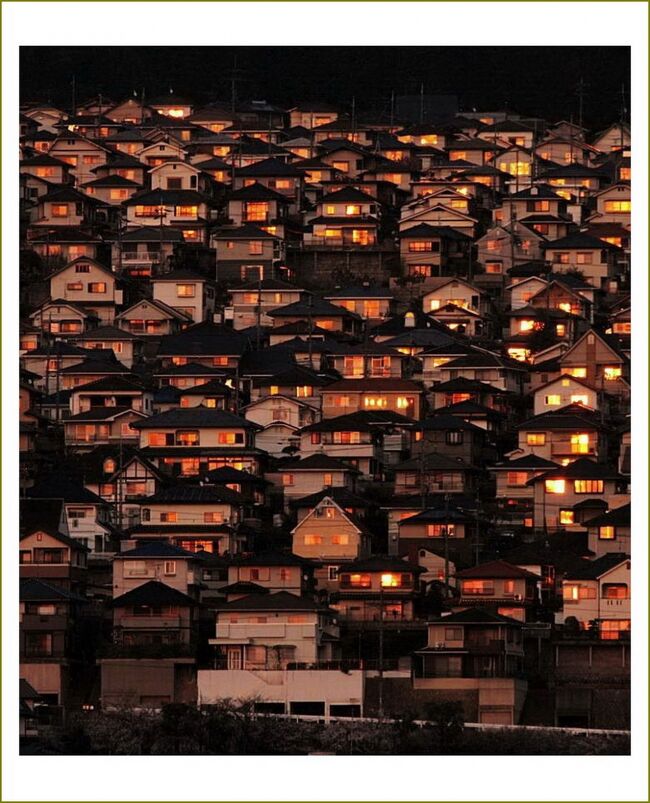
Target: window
{"x":618,"y":206}
{"x":607,"y":532}
{"x":74,"y":286}
{"x":361,"y":236}
{"x":186,"y":211}
{"x":578,"y":398}
{"x":231,"y":438}
{"x":580,"y":443}
{"x":355,"y":581}
{"x":255,"y":247}
{"x":403,"y":402}
{"x":588,"y":486}
{"x":553,"y":400}
{"x":109,"y":465}
{"x":256,"y":211}
{"x":288,"y":479}
{"x":169,"y":517}
{"x":97,"y":287}
{"x":574,"y":592}
{"x":454,"y":437}
{"x":508,"y":588}
{"x":419,"y":270}
{"x":188,"y":437}
{"x":418,"y":246}
{"x":149,"y":211}
{"x":304,"y":391}
{"x":438,"y":530}
{"x":341,"y":540}
{"x":493,"y":267}
{"x":615,"y":591}
{"x":578,"y":373}
{"x":516,"y":479}
{"x":212,"y":517}
{"x":333,"y":233}
{"x":169,"y":567}
{"x":352,"y":209}
{"x":554,"y":486}
{"x":611,"y":629}
{"x":313,"y":540}
{"x":584,"y":258}
{"x":59,"y":210}
{"x":185,"y":290}
{"x":38,"y":644}
{"x":612,"y":373}
{"x":567,"y":517}
{"x":346,"y":437}
{"x":332,"y":572}
{"x":535,"y":438}
{"x":482,"y":588}
{"x":344,"y":167}
{"x":622,"y":328}
{"x":119,"y":195}
{"x":375,"y":401}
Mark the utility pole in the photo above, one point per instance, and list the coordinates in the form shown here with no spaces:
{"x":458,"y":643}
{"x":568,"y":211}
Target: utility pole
{"x":74,"y":100}
{"x":381,"y":652}
{"x":446,"y":535}
{"x":310,"y":331}
{"x":392,"y":107}
{"x":421,"y":103}
{"x":580,"y":92}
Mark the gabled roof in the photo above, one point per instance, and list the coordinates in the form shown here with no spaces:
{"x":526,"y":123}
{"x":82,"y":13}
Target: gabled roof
{"x":593,"y":569}
{"x":318,"y":461}
{"x":105,"y":333}
{"x":312,"y":306}
{"x":360,"y":291}
{"x":617,"y":517}
{"x":361,"y":421}
{"x":280,"y":601}
{"x":257,"y":192}
{"x":338,"y":494}
{"x":375,"y":385}
{"x":63,"y":539}
{"x":572,"y":416}
{"x":382,"y":563}
{"x":496,"y":568}
{"x":153,"y":593}
{"x":427,"y":230}
{"x":433,"y":461}
{"x":62,"y":486}
{"x":226,"y":475}
{"x":347,"y":195}
{"x":246,"y":232}
{"x":197,"y":417}
{"x":579,"y":240}
{"x":270,"y":558}
{"x":156,"y":549}
{"x":475,"y":616}
{"x":269,"y":167}
{"x":529,"y":462}
{"x":194,"y":495}
{"x":33,"y":590}
{"x":581,"y":469}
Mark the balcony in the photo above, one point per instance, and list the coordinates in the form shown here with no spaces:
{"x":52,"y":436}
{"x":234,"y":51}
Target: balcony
{"x":239,"y":633}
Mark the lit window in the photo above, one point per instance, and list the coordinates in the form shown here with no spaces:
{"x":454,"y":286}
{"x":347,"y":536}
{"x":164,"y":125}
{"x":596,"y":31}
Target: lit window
{"x":607,"y":533}
{"x":493,"y":267}
{"x":375,"y":401}
{"x":578,"y":373}
{"x":59,"y":210}
{"x":256,"y":211}
{"x":417,"y":246}
{"x":611,"y":629}
{"x":536,"y":438}
{"x":566,"y":517}
{"x":97,"y":287}
{"x":622,"y":328}
{"x":553,"y":400}
{"x":578,"y":398}
{"x":579,"y":443}
{"x":341,"y":540}
{"x":212,"y":518}
{"x":230,"y":438}
{"x":169,"y":518}
{"x":313,"y":540}
{"x":584,"y":258}
{"x":255,"y":247}
{"x":477,"y":588}
{"x":328,"y":480}
{"x":612,"y":373}
{"x":352,"y":209}
{"x":439,"y":530}
{"x":185,"y":290}
{"x":288,"y":479}
{"x":187,"y":438}
{"x":618,"y":206}
{"x":516,"y":479}
{"x":588,"y":486}
{"x":554,"y":486}
{"x":361,"y":236}
{"x":404,"y":402}
{"x":526,"y":326}
{"x":186,"y":211}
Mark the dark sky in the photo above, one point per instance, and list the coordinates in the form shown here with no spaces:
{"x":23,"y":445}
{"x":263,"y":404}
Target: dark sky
{"x":530,"y":80}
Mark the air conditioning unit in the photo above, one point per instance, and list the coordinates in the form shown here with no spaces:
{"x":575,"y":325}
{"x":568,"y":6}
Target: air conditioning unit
{"x":518,"y":597}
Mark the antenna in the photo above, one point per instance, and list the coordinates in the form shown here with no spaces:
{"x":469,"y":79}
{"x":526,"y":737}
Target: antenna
{"x":580,"y":92}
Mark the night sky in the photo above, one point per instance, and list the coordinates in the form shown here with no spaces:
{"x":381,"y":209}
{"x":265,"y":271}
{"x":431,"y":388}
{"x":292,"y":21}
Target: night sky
{"x":537,"y":81}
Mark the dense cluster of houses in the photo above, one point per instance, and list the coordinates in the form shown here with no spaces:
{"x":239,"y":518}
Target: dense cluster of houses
{"x":326,"y":411}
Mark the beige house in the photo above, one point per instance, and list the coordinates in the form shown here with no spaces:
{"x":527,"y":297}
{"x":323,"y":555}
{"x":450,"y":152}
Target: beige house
{"x":597,"y":595}
{"x":300,"y":477}
{"x":563,"y":434}
{"x":610,"y":531}
{"x":252,"y":302}
{"x":330,"y":534}
{"x":455,"y":664}
{"x":88,"y":283}
{"x":349,"y":395}
{"x":158,"y":561}
{"x":565,"y":390}
{"x":614,"y":205}
{"x":151,"y":317}
{"x":81,"y":153}
{"x":591,"y":256}
{"x":597,"y":360}
{"x":186,"y":291}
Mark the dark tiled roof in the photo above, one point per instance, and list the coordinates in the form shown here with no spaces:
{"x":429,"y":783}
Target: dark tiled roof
{"x":270,"y":558}
{"x":432,"y":461}
{"x":475,"y":616}
{"x":153,"y":593}
{"x":592,"y":570}
{"x":496,"y":568}
{"x":33,"y":590}
{"x":269,"y":167}
{"x":193,"y":495}
{"x":281,"y":601}
{"x":196,"y":416}
{"x":257,"y":192}
{"x":618,"y":517}
{"x":578,"y":240}
{"x":582,"y":469}
{"x":338,"y":494}
{"x":316,"y":462}
{"x":382,"y":563}
{"x":156,"y":549}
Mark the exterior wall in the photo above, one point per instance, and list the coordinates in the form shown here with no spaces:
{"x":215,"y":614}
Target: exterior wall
{"x":86,"y":154}
{"x":301,"y":631}
{"x":356,"y":400}
{"x":59,"y":285}
{"x":326,"y":528}
{"x":593,"y":355}
{"x":566,"y":390}
{"x":147,"y":683}
{"x":46,"y":678}
{"x":309,"y":482}
{"x":622,"y":541}
{"x":187,"y":513}
{"x":129,"y":573}
{"x":328,"y":686}
{"x":245,"y":302}
{"x":276,"y":409}
{"x":547,"y":506}
{"x":500,"y":700}
{"x":275,"y":578}
{"x":208,"y":436}
{"x":598,"y":607}
{"x":558,"y":446}
{"x":167,"y":292}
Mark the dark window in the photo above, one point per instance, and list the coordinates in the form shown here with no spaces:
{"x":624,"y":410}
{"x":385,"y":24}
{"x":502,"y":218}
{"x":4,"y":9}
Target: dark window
{"x":454,"y":437}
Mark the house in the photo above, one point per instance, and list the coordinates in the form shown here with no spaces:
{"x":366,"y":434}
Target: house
{"x":157,"y":561}
{"x":345,"y":217}
{"x":280,"y":416}
{"x":414,"y":524}
{"x":433,"y":473}
{"x":259,"y":631}
{"x":615,"y":136}
{"x":153,"y":614}
{"x":273,"y":571}
{"x":478,"y":656}
{"x":488,"y":367}
{"x":431,"y":211}
{"x":44,"y":166}
{"x":331,"y":536}
{"x":275,"y":174}
{"x":261,"y":206}
{"x":568,"y":496}
{"x":373,"y":304}
{"x":61,"y":245}
{"x":50,"y":641}
{"x":126,"y":346}
{"x":112,"y":191}
{"x":252,"y":301}
{"x":317,"y":312}
{"x":506,"y":246}
{"x":193,"y":440}
{"x":514,"y":495}
{"x":186,"y":291}
{"x":501,"y":588}
{"x":193,"y":517}
{"x":300,"y":382}
{"x":596,"y":597}
{"x":474,"y":150}
{"x":205,"y":343}
{"x":151,"y":317}
{"x":610,"y":531}
{"x":62,"y":318}
{"x":252,"y":488}
{"x":55,"y":558}
{"x":189,"y":375}
{"x":188,"y":211}
{"x":582,"y":253}
{"x":101,"y":425}
{"x":64,"y":207}
{"x":301,"y":476}
{"x":372,"y":360}
{"x":88,"y":283}
{"x":563,"y":434}
{"x":429,"y":251}
{"x":349,"y":395}
{"x":247,"y":253}
{"x":452,"y":436}
{"x":456,"y":391}
{"x":80,"y":152}
{"x":312,"y":115}
{"x":377,"y":588}
{"x":145,"y":251}
{"x":580,"y":181}
{"x":566,"y":390}
{"x":613,"y":205}
{"x":597,"y":359}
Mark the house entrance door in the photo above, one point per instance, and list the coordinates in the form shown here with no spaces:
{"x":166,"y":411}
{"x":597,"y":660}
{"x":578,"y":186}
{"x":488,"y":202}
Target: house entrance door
{"x":234,"y":657}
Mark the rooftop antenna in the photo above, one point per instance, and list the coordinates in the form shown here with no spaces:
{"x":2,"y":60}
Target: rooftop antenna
{"x":421,"y":103}
{"x":354,"y":118}
{"x":392,"y":107}
{"x":74,"y":101}
{"x":580,"y":92}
